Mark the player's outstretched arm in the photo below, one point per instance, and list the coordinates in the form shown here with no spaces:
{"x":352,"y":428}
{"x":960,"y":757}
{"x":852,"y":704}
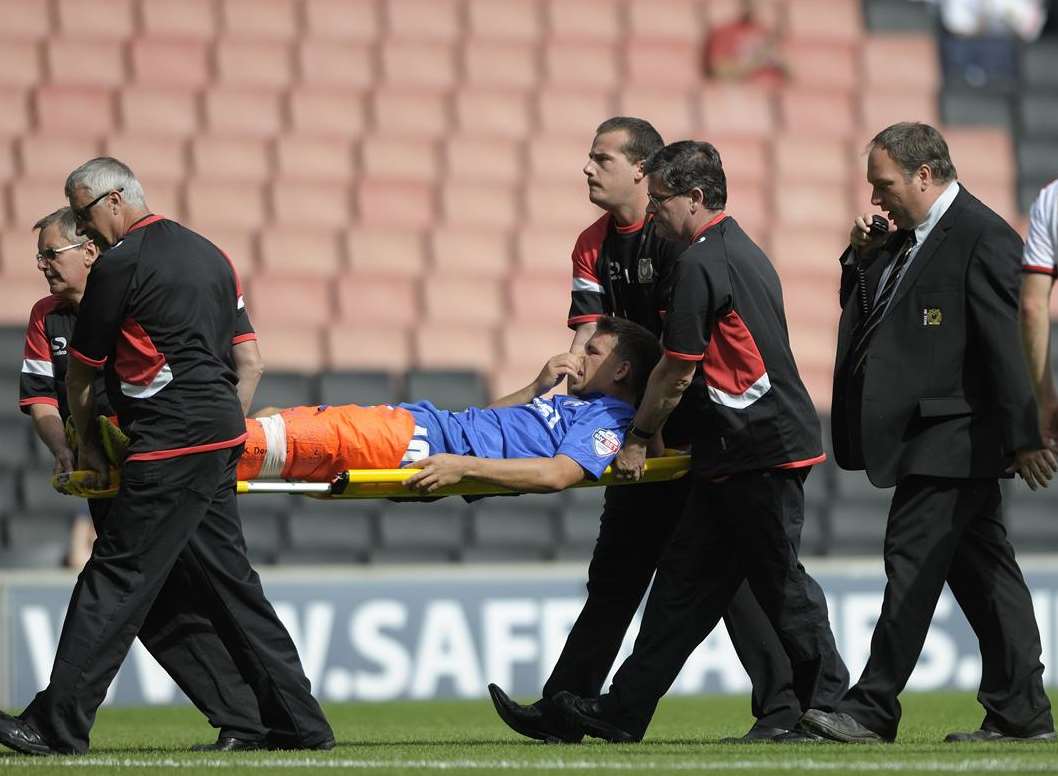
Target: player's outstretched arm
{"x":528,"y":475}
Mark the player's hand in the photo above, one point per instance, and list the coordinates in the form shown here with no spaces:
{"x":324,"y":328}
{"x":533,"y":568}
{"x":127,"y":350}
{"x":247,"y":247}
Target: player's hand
{"x":556,"y":370}
{"x":1036,"y":467}
{"x":861,"y":239}
{"x":64,"y":461}
{"x":1048,"y":416}
{"x":437,"y":471}
{"x":90,"y":457}
{"x":631,"y":461}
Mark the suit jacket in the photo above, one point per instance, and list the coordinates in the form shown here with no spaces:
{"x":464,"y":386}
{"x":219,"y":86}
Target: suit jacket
{"x":945,"y":387}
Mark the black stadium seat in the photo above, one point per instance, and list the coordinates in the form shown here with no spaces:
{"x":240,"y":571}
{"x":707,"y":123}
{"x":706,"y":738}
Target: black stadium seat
{"x":1039,"y":65}
{"x":421,"y":532}
{"x":339,"y":532}
{"x":964,"y":107}
{"x":898,"y":16}
{"x":364,"y":388}
{"x":447,"y":390}
{"x":12,"y":342}
{"x":285,"y":389}
{"x":513,"y":528}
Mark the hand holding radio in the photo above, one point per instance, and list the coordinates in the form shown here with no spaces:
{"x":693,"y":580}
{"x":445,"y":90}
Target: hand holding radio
{"x":869,"y":232}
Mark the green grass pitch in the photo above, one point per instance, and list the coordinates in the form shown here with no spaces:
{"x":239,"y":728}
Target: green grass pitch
{"x":466,"y":737}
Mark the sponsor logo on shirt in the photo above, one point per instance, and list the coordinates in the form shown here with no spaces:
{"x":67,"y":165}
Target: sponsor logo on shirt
{"x":606,"y":442}
{"x":58,"y":346}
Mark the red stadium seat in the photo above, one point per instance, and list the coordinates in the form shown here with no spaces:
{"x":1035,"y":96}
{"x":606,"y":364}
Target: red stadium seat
{"x":377,"y":300}
{"x":454,"y":346}
{"x":418,"y":64}
{"x":410,"y":113}
{"x":314,"y":158}
{"x":8,"y":168}
{"x":811,"y":303}
{"x":20,"y":294}
{"x":742,"y":110}
{"x":383,"y":251}
{"x":268,"y":19}
{"x":96,"y":19}
{"x":547,"y":252}
{"x":670,"y":111}
{"x":291,"y":348}
{"x":254,"y":113}
{"x":303,"y":203}
{"x":826,"y":20}
{"x":514,"y":20}
{"x":751,"y":205}
{"x":829,"y":65}
{"x":559,"y":158}
{"x":237,"y":244}
{"x":575,"y":113}
{"x":238,"y":205}
{"x":14,"y":111}
{"x":675,"y":20}
{"x":463,"y":300}
{"x":17,"y":250}
{"x":499,"y":113}
{"x":32,"y":198}
{"x":808,"y":252}
{"x":151,"y":111}
{"x":806,"y":204}
{"x":253,"y":63}
{"x":528,"y":347}
{"x":750,"y":156}
{"x":19,"y":63}
{"x":24,"y":21}
{"x":581,"y":65}
{"x":900,"y":62}
{"x":230,"y":159}
{"x":337,"y":64}
{"x":490,"y":160}
{"x":810,"y":160}
{"x":588,"y":20}
{"x":366,"y":346}
{"x":879,"y":108}
{"x":352,"y":20}
{"x":501,"y":64}
{"x":284,"y":297}
{"x":400,"y":159}
{"x":70,"y":110}
{"x":981,"y":154}
{"x":819,"y":113}
{"x":300,"y":250}
{"x":188,"y":19}
{"x":153,"y":157}
{"x":164,"y":197}
{"x":672,"y":64}
{"x":560,"y":205}
{"x":326,"y":112}
{"x":395,"y":203}
{"x":45,"y":157}
{"x":76,"y":62}
{"x":540,"y":299}
{"x":492,"y":205}
{"x":464,"y":251}
{"x":170,"y":62}
{"x":423,"y":19}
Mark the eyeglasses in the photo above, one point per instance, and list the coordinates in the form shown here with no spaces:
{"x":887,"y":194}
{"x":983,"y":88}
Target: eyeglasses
{"x":50,"y":254}
{"x":658,"y":201}
{"x":82,"y":214}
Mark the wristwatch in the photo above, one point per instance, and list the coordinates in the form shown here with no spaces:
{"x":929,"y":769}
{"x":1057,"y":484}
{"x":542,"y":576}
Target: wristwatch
{"x":638,"y":433}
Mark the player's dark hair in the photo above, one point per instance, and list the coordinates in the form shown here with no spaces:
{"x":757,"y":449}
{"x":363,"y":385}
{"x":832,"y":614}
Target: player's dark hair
{"x":643,"y":139}
{"x":687,"y":165}
{"x":912,"y":144}
{"x":635,"y":344}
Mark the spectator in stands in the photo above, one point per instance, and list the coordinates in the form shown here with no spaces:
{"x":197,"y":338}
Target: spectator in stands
{"x":1040,"y":267}
{"x":931,"y":395}
{"x":160,"y":313}
{"x":745,"y":50}
{"x":980,"y":39}
{"x":182,"y":640}
{"x":754,"y":438}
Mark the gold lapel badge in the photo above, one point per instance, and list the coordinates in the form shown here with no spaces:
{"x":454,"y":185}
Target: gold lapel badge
{"x":932,"y":316}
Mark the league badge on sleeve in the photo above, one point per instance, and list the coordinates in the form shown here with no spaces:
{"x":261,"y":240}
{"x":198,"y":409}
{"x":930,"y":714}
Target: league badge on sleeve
{"x":606,"y":442}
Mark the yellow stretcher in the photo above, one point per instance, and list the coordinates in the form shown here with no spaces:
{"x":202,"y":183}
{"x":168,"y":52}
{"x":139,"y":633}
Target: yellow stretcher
{"x":378,"y":483}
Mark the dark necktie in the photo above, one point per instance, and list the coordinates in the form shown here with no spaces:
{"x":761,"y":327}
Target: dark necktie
{"x":881,"y":304}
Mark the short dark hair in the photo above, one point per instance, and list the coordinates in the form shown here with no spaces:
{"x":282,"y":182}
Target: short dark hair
{"x":635,"y":344}
{"x":689,"y":164}
{"x":912,"y":144}
{"x":643,"y":139}
{"x":64,"y":218}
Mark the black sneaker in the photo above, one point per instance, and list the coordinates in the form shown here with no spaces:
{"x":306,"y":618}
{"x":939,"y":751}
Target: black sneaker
{"x":538,"y":721}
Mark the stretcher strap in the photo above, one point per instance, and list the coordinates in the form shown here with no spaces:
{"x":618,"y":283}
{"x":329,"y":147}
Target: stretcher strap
{"x":377,"y":483}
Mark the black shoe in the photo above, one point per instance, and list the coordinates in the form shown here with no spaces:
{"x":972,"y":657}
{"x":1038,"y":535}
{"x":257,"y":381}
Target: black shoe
{"x":19,"y":735}
{"x":838,"y":726}
{"x":798,"y":736}
{"x":985,"y":735}
{"x":587,"y":716}
{"x":321,"y":746}
{"x":756,"y":735}
{"x":537,"y":721}
{"x":232,"y":744}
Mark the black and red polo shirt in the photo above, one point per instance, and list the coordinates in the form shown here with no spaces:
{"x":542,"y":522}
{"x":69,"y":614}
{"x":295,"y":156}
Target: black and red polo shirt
{"x":749,"y":408}
{"x":621,"y":271}
{"x":43,"y":379}
{"x":160,"y":313}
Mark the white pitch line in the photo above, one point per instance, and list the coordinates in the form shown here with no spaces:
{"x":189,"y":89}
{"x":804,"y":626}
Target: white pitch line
{"x":955,"y":766}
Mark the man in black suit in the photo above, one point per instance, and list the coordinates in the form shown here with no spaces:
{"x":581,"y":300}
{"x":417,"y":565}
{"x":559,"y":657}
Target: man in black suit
{"x":931,"y":394}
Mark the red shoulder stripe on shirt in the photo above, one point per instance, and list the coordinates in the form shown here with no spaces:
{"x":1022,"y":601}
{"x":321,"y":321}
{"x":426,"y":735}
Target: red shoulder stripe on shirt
{"x":586,"y":249}
{"x":147,"y":220}
{"x":36,"y":346}
{"x":244,"y":338}
{"x":85,"y":359}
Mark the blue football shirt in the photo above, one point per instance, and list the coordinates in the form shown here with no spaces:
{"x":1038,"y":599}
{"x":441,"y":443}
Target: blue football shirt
{"x":588,"y":429}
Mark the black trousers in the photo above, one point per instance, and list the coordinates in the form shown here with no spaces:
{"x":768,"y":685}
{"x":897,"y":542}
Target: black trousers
{"x":946,"y":530}
{"x":183,"y":640}
{"x":169,"y":512}
{"x":637,"y":523}
{"x":746,"y":528}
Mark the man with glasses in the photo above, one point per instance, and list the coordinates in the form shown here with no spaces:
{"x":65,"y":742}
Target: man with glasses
{"x":754,"y":438}
{"x":182,"y":640}
{"x":159,"y":314}
{"x":623,"y":266}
